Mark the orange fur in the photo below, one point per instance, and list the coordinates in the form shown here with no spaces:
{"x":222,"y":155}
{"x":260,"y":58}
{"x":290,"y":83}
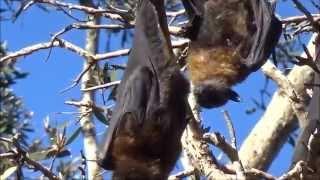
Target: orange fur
{"x":215,"y":63}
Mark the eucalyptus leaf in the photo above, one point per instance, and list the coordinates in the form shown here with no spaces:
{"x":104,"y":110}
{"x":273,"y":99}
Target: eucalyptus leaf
{"x":73,"y":136}
{"x":8,"y":172}
{"x":40,"y":155}
{"x":100,"y":116}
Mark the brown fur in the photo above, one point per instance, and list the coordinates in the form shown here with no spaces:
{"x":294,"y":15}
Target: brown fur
{"x":217,"y":50}
{"x":220,"y":63}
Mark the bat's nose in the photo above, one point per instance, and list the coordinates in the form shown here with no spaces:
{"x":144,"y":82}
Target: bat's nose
{"x":233,"y":96}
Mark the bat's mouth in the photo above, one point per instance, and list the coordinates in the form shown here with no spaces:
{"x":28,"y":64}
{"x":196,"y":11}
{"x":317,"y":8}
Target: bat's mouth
{"x":209,"y":97}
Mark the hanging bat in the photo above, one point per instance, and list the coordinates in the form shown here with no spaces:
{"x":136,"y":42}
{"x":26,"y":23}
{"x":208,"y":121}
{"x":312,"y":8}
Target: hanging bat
{"x":143,"y":139}
{"x":229,"y":40}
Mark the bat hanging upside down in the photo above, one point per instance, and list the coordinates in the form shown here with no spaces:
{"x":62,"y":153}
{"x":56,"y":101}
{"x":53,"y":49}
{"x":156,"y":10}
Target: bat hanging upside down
{"x":229,"y":40}
{"x":143,"y":139}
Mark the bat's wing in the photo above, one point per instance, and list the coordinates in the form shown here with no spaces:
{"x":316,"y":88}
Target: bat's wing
{"x":268,"y":31}
{"x":138,"y":90}
{"x":129,"y":110}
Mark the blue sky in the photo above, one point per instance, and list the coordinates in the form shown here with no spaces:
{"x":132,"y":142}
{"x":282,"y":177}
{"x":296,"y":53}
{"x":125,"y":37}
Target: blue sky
{"x":40,"y":90}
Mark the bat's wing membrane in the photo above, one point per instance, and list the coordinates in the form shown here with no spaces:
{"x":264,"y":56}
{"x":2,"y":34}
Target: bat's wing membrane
{"x":268,"y":31}
{"x":261,"y":44}
{"x":139,"y":87}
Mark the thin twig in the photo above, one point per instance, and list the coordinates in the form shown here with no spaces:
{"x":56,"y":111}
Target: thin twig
{"x":102,"y":86}
{"x":182,"y":174}
{"x":220,"y":142}
{"x":304,"y":10}
{"x":238,"y":165}
{"x":89,"y":10}
{"x":78,"y":78}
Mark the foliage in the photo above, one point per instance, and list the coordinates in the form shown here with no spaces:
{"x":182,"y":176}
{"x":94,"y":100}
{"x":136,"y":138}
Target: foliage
{"x":14,"y":118}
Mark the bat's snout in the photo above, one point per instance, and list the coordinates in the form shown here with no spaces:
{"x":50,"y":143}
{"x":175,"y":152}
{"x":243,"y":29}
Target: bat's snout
{"x":209,"y":96}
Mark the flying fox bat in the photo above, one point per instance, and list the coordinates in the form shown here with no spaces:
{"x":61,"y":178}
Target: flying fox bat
{"x":229,"y":40}
{"x":143,"y":139}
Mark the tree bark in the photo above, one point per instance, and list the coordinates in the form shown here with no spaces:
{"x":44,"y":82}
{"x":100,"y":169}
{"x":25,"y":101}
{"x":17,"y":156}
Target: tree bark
{"x":273,"y":129}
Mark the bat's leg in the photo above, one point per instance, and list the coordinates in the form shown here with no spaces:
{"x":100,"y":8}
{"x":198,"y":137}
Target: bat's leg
{"x":191,"y":29}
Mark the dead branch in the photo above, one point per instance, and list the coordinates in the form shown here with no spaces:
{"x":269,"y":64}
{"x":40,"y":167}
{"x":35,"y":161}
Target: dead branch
{"x":299,"y":19}
{"x":73,"y":48}
{"x":304,"y":10}
{"x":112,"y":14}
{"x":102,"y":86}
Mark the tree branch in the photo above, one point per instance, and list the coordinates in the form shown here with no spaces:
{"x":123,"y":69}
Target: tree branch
{"x":272,"y":130}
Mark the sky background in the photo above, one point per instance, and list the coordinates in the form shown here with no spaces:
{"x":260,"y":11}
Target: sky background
{"x":41,"y":89}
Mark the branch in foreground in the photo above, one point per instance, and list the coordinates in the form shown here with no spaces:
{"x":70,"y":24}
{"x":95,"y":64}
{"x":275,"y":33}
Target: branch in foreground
{"x":219,"y":141}
{"x":197,"y":149}
{"x":182,"y":174}
{"x":200,"y":155}
{"x":299,"y":171}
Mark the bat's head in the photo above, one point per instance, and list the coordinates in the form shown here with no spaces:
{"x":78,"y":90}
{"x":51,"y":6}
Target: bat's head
{"x":213,"y":94}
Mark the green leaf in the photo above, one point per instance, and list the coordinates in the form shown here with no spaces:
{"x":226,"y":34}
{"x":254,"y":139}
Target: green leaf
{"x":114,"y":76}
{"x":20,"y":75}
{"x":40,"y":155}
{"x":100,"y":116}
{"x":63,"y":153}
{"x":8,"y":172}
{"x":73,"y":136}
{"x":27,"y":129}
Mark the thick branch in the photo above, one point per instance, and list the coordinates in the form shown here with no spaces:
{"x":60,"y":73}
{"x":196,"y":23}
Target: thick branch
{"x":285,"y":85}
{"x":198,"y":150}
{"x":271,"y":132}
{"x":86,"y":122}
